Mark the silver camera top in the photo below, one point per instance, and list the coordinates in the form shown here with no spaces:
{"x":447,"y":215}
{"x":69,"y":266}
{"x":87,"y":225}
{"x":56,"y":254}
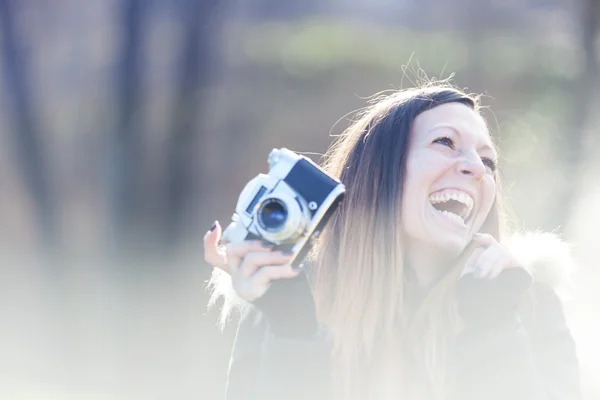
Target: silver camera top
{"x":281,"y":162}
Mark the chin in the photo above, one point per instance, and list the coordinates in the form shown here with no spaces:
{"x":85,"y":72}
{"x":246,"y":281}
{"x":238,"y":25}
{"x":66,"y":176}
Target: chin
{"x":451,"y":245}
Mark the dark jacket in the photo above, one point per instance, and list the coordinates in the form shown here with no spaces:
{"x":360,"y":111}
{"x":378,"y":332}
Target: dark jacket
{"x":500,"y":355}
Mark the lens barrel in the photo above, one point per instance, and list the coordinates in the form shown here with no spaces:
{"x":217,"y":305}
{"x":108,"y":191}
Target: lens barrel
{"x":272,"y":215}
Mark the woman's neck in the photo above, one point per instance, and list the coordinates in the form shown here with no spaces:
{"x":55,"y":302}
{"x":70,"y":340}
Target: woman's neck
{"x":427,"y":264}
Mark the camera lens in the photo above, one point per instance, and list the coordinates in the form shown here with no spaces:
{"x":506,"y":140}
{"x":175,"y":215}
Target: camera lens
{"x":272,"y":214}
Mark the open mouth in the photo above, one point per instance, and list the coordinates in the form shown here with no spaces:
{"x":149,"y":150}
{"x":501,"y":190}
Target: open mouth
{"x":453,"y":204}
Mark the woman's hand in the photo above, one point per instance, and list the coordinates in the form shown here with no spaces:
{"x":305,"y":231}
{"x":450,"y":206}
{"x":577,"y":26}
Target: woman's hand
{"x":491,"y":293}
{"x":489,"y":260}
{"x":252,"y":264}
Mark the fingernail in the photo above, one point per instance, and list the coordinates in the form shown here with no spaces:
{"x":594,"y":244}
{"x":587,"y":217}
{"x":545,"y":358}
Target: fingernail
{"x":296,"y":269}
{"x":288,"y":252}
{"x":267,"y":245}
{"x":212,"y":228}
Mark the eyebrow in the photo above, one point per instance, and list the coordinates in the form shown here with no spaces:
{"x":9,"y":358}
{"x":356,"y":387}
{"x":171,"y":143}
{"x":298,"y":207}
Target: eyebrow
{"x":457,"y":132}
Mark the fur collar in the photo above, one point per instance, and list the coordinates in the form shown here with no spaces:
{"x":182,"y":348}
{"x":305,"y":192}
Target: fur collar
{"x":546,"y":257}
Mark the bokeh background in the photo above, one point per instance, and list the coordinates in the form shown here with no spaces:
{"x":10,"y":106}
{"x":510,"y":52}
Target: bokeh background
{"x":128,"y":126}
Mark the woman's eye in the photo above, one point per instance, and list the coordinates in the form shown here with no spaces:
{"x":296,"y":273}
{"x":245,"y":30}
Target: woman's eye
{"x":446,"y":141}
{"x":488,"y":162}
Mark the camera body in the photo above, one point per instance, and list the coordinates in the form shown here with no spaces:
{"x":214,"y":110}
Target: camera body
{"x":288,"y":207}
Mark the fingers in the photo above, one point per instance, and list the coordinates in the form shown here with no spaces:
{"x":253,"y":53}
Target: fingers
{"x":484,"y":239}
{"x":253,"y":261}
{"x":252,"y":264}
{"x":492,"y":260}
{"x":213,"y":254}
{"x":235,"y":252}
{"x":230,"y":257}
{"x":255,"y":286}
{"x":470,"y":264}
{"x":273,"y":272}
{"x":489,"y":260}
{"x":240,"y":249}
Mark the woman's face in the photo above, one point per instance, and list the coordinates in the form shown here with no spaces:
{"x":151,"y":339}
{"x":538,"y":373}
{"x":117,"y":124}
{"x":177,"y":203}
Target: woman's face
{"x":450,"y":182}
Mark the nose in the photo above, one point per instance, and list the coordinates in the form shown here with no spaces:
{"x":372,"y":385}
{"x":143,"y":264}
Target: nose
{"x":472,"y":165}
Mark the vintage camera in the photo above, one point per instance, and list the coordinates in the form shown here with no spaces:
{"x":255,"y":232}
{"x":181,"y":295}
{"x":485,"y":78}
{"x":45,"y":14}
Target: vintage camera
{"x":289,"y":207}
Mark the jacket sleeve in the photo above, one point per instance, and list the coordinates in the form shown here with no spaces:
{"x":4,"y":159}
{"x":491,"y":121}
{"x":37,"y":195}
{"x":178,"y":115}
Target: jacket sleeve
{"x":497,"y":358}
{"x":268,"y":366}
{"x":281,"y":351}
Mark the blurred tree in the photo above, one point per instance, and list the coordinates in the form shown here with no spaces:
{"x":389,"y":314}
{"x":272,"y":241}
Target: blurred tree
{"x":25,"y":129}
{"x":126,"y":169}
{"x":273,"y":9}
{"x":583,"y":95}
{"x":202,"y":23}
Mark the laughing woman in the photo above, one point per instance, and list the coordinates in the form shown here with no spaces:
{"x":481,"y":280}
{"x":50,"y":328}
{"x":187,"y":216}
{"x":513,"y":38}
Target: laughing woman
{"x":415,"y":290}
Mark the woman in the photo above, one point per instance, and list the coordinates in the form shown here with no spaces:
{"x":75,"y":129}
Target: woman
{"x":412,"y":291}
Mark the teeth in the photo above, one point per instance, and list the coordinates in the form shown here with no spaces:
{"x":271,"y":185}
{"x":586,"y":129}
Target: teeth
{"x":457,"y":196}
{"x":453,"y":217}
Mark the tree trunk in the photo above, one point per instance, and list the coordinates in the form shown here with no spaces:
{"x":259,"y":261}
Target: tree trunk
{"x":126,"y":168}
{"x":25,"y":131}
{"x":196,"y":59}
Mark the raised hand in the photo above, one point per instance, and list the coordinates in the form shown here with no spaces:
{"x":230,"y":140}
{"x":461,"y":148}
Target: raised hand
{"x":252,"y":264}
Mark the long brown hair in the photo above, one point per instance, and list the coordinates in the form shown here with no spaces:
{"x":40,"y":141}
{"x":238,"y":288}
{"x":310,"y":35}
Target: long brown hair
{"x":381,"y":346}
